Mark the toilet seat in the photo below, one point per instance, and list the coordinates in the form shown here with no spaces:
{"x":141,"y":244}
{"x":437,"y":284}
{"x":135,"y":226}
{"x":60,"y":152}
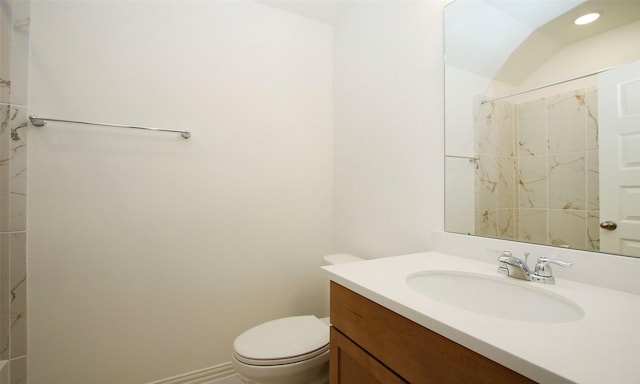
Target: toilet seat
{"x":273,"y":362}
{"x":283,"y":341}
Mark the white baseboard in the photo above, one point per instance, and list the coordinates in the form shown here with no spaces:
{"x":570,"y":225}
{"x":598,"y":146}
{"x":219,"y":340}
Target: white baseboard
{"x":201,"y":376}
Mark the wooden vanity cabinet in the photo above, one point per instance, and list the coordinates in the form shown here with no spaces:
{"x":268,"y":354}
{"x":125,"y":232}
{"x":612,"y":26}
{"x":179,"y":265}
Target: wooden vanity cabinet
{"x":372,"y":344}
{"x":356,"y":365}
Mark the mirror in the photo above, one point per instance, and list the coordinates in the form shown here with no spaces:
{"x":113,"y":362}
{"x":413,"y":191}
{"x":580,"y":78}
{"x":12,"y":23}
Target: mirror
{"x":535,"y":144}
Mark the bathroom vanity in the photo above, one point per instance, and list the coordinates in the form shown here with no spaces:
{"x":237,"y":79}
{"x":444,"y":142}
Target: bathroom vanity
{"x":386,"y":331}
{"x":371,"y":344}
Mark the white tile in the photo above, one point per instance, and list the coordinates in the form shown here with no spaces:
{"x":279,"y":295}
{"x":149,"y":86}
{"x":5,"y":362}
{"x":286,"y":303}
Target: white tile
{"x":505,"y":126}
{"x":567,"y":181}
{"x":532,"y":182}
{"x":593,"y":180}
{"x":591,"y":99}
{"x":566,"y":122}
{"x":486,"y":223}
{"x":532,"y":128}
{"x":568,"y":228}
{"x":533,"y":225}
{"x":487,"y":177}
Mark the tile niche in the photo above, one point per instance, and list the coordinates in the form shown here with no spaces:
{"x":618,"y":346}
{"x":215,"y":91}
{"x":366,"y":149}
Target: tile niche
{"x":536,"y":179}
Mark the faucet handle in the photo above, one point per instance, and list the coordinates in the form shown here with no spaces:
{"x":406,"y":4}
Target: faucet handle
{"x":543,"y":269}
{"x":501,"y":252}
{"x":504,"y":254}
{"x":504,"y":257}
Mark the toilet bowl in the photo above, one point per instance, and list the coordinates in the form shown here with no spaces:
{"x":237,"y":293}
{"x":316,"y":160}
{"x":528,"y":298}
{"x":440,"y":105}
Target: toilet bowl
{"x":293,"y":350}
{"x":290,"y":350}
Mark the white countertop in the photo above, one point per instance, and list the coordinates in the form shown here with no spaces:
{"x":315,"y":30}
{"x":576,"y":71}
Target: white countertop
{"x":602,"y":347}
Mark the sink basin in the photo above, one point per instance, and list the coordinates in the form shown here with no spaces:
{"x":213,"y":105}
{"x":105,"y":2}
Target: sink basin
{"x":498,"y":297}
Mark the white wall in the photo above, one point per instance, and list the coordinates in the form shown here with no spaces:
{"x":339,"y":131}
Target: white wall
{"x":388,"y":121}
{"x":148,"y":253}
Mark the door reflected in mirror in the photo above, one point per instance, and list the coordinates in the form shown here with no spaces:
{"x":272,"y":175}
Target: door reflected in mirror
{"x":542,"y":122}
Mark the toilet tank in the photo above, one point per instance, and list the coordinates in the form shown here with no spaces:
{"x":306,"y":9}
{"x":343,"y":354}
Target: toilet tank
{"x":340,"y":258}
{"x":336,"y":258}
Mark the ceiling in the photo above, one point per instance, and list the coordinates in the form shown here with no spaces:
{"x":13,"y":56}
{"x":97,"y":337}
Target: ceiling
{"x":508,"y":40}
{"x":560,"y":32}
{"x":323,"y":11}
{"x":476,"y":40}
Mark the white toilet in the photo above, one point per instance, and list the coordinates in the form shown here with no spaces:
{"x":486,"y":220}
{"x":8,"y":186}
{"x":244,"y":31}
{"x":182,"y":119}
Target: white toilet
{"x":291,"y":350}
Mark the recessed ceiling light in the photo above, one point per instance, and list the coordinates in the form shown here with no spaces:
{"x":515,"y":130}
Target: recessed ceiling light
{"x":588,"y":18}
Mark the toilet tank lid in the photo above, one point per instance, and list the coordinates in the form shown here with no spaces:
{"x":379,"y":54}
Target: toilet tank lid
{"x":341,"y":258}
{"x":283,"y":338}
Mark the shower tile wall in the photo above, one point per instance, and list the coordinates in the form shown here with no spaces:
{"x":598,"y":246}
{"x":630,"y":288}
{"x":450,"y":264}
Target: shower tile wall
{"x":496,"y":207}
{"x":14,"y":48}
{"x":537,"y":177}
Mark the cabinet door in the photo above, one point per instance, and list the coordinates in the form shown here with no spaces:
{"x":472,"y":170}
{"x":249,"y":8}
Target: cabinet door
{"x":349,"y":364}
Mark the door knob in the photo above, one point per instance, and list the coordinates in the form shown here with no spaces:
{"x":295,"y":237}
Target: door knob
{"x":608,"y":225}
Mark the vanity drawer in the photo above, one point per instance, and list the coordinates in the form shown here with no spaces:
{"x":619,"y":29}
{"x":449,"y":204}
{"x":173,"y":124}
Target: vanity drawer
{"x":414,"y":352}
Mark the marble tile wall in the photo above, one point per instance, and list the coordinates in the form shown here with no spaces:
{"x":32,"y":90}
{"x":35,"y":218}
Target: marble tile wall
{"x":496,"y":208}
{"x":14,"y":49}
{"x":537,"y":178}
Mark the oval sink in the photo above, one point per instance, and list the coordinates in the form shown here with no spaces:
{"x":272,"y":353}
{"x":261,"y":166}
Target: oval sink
{"x":497,"y":297}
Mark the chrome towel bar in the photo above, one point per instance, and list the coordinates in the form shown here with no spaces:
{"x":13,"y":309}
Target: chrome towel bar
{"x":475,"y":158}
{"x":42,"y":121}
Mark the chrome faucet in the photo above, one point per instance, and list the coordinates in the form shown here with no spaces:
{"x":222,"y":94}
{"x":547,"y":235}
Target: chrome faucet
{"x":518,"y":268}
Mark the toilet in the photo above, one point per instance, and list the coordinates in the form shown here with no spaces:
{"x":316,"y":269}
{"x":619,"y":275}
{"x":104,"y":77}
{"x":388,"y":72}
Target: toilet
{"x":290,"y":350}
